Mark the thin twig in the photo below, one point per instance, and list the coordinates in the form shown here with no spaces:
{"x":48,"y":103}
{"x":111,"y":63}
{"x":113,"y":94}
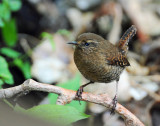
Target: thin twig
{"x":66,"y":96}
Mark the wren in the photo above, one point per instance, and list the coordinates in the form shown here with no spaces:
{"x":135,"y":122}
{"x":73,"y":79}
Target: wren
{"x":98,"y":60}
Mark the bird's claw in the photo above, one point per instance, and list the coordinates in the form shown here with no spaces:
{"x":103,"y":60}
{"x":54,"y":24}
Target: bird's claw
{"x":114,"y":102}
{"x":79,"y":94}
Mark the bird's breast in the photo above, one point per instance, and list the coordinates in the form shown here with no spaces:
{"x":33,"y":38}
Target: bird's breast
{"x":95,"y":68}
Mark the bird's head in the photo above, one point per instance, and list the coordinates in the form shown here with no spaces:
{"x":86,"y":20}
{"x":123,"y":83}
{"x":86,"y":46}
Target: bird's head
{"x":87,"y":42}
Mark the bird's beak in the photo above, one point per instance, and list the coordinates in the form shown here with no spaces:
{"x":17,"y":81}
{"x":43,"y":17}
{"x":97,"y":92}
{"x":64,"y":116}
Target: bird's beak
{"x":73,"y":43}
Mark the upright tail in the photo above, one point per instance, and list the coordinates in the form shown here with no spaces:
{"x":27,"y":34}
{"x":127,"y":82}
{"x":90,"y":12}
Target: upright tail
{"x":123,"y":43}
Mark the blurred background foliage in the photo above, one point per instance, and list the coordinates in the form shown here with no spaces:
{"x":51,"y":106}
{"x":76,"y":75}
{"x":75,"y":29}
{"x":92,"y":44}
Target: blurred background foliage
{"x":33,"y":37}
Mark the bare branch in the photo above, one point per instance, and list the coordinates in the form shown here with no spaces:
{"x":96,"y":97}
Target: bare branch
{"x":66,"y":96}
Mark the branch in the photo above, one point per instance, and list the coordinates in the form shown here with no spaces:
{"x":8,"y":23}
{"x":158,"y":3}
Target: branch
{"x":66,"y":96}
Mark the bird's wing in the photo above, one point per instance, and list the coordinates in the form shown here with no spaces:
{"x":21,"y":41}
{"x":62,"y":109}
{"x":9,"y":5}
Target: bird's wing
{"x":119,"y":60}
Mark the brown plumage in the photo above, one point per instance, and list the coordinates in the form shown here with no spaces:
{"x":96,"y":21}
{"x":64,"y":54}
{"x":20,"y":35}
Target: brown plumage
{"x":98,"y":60}
{"x":123,"y":43}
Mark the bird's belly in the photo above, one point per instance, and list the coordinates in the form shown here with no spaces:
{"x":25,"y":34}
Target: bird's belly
{"x":100,"y":73}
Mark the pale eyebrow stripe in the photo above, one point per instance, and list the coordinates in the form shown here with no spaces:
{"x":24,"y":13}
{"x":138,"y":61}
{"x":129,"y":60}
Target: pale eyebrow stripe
{"x":91,"y":40}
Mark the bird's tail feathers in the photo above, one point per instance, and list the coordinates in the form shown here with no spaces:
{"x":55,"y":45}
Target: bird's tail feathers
{"x":123,"y":43}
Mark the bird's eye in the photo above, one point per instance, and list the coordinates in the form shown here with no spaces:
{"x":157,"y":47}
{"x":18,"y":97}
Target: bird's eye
{"x":86,"y":44}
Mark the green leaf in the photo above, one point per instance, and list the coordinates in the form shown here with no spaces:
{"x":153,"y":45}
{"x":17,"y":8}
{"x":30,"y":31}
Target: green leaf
{"x":25,"y":67}
{"x":1,"y":10}
{"x":9,"y":33}
{"x":19,"y":109}
{"x":72,"y":85}
{"x":5,"y":11}
{"x":80,"y":107}
{"x":15,"y":5}
{"x":1,"y":83}
{"x":5,"y":74}
{"x":52,"y":98}
{"x":58,"y":114}
{"x":27,"y":70}
{"x":9,"y":52}
{"x":64,"y":32}
{"x":8,"y":103}
{"x":1,"y":22}
{"x":18,"y":63}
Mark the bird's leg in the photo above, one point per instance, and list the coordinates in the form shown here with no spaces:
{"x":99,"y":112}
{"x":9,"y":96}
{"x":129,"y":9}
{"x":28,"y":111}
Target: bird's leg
{"x":114,"y":101}
{"x":80,"y":91}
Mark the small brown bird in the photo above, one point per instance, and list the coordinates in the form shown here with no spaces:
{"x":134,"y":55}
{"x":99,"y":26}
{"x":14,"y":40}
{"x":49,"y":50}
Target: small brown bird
{"x":98,"y":60}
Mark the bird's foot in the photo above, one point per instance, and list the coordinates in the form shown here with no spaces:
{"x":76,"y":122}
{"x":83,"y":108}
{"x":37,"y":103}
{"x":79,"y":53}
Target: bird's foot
{"x":114,"y":102}
{"x":79,"y":94}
